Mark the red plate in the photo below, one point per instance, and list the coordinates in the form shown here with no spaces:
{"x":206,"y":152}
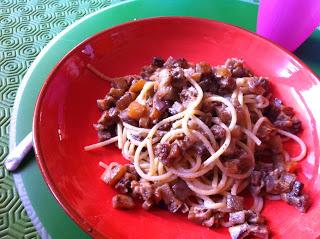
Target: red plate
{"x":66,"y":109}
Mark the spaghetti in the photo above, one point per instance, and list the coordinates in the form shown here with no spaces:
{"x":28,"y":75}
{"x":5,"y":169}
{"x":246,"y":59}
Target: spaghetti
{"x":196,"y":137}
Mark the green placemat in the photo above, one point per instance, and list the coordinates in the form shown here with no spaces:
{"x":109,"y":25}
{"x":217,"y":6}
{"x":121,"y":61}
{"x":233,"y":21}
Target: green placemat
{"x":26,"y":26}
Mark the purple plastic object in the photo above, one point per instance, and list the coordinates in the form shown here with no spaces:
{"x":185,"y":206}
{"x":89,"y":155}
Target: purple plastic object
{"x":288,"y":22}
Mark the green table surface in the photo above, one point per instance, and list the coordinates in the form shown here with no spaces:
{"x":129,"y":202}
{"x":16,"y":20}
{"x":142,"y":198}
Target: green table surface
{"x":25,"y":28}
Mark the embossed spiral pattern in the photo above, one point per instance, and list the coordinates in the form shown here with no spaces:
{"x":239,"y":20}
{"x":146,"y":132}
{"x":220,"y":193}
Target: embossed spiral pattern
{"x":26,"y":26}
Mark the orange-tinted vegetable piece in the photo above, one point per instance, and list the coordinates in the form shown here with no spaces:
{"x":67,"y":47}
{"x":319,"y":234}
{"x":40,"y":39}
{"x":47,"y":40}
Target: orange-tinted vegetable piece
{"x":136,"y":110}
{"x":223,"y":72}
{"x":137,"y":86}
{"x":113,"y":173}
{"x":196,"y":76}
{"x":292,"y":167}
{"x":155,"y":114}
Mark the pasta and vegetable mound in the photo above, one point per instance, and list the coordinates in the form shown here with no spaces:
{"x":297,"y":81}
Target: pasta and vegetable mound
{"x":198,"y":138}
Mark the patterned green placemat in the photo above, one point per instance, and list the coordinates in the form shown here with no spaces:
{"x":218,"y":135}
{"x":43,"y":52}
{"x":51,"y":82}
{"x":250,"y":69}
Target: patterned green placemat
{"x":26,"y":26}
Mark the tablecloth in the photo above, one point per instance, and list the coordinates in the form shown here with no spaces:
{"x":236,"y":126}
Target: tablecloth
{"x":26,"y":26}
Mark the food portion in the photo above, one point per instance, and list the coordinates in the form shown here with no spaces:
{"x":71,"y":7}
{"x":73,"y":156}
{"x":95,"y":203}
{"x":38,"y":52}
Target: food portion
{"x":199,"y":138}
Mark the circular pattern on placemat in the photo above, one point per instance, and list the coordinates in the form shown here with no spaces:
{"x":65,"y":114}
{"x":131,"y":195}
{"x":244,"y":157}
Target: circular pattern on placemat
{"x":25,"y":28}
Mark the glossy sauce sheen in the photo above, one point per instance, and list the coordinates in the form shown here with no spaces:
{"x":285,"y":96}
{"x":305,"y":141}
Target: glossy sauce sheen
{"x":67,"y":108}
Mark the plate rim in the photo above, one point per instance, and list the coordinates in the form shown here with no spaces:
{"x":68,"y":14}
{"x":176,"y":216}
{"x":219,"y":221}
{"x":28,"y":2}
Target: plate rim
{"x":35,"y":125}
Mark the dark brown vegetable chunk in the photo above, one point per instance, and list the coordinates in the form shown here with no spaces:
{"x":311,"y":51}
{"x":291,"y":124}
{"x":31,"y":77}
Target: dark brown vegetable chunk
{"x":234,"y":203}
{"x":124,"y":184}
{"x":124,"y":101}
{"x":109,"y":117}
{"x":175,"y":152}
{"x":144,"y":190}
{"x":266,"y":132}
{"x":116,"y":93}
{"x":123,"y":202}
{"x":282,"y":117}
{"x":258,"y":85}
{"x":244,"y":230}
{"x":162,"y":152}
{"x":167,"y":93}
{"x":237,"y":68}
{"x":236,"y":218}
{"x":181,"y":190}
{"x":157,"y":61}
{"x":176,"y":108}
{"x":226,"y":85}
{"x":203,"y":68}
{"x":188,"y":95}
{"x":201,"y":216}
{"x":165,"y":193}
{"x":103,"y":104}
{"x":296,"y":197}
{"x":279,"y":183}
{"x":239,"y":164}
{"x":147,"y":71}
{"x":104,"y":135}
{"x":218,"y":132}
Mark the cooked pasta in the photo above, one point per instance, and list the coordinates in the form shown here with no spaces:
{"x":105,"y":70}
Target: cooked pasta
{"x":196,"y":137}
